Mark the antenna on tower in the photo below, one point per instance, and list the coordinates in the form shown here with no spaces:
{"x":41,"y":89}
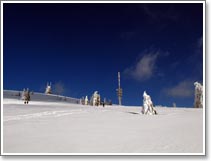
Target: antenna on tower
{"x":119,"y":79}
{"x":119,"y":90}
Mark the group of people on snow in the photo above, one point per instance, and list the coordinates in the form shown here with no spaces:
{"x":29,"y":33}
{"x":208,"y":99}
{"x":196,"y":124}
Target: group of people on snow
{"x":26,"y":96}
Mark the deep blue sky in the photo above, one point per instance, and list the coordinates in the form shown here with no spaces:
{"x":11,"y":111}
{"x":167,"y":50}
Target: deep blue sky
{"x":156,"y":47}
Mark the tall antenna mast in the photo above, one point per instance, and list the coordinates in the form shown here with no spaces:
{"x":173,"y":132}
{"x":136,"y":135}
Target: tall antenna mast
{"x":119,"y":79}
{"x":119,"y":90}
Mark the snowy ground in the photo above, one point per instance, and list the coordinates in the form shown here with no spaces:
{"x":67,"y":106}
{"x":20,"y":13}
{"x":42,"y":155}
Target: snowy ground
{"x":56,"y":127}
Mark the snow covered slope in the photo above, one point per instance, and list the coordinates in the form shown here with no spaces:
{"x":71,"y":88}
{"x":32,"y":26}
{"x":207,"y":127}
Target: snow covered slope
{"x":40,"y":97}
{"x":62,"y":127}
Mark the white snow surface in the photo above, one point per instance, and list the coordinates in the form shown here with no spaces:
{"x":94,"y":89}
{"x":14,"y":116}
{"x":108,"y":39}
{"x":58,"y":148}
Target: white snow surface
{"x":60,"y":127}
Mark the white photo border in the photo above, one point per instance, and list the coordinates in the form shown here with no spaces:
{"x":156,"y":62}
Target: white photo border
{"x":111,"y":154}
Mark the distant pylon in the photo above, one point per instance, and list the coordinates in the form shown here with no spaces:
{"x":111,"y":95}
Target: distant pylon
{"x":119,"y":90}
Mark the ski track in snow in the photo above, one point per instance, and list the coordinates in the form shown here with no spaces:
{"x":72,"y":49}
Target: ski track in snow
{"x":61,"y":113}
{"x":43,"y":114}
